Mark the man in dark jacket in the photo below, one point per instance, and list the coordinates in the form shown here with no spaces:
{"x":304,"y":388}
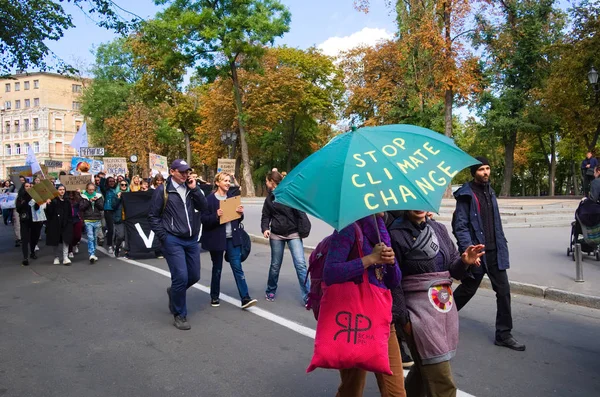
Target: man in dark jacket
{"x":177,"y":226}
{"x":477,"y":221}
{"x":588,"y":165}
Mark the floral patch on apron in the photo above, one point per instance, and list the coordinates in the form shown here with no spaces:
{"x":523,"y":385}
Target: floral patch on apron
{"x":441,"y":298}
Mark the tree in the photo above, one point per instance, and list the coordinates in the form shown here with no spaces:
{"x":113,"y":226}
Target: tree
{"x":514,"y":35}
{"x":222,"y":37}
{"x":27,"y":26}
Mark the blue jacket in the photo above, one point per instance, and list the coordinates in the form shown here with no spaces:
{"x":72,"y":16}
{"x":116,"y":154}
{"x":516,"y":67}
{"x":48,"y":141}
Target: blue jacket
{"x":213,"y":233}
{"x":467,"y":227}
{"x":178,"y":219}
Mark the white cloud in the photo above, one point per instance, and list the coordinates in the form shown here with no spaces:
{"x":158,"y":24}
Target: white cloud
{"x":367,"y":36}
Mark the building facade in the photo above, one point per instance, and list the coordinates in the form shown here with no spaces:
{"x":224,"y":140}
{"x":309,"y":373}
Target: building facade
{"x":40,"y":111}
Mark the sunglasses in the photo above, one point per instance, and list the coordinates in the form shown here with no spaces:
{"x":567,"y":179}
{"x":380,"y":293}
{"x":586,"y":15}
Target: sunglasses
{"x":123,"y":184}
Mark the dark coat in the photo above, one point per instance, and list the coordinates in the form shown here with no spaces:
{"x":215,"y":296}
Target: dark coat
{"x":213,"y":233}
{"x":59,"y":227}
{"x":91,"y":211}
{"x":279,"y":218}
{"x":22,"y":206}
{"x":177,"y":218}
{"x":468,"y":229}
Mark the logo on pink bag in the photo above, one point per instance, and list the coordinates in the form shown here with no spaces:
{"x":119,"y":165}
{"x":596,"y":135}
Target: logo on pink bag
{"x":355,"y":333}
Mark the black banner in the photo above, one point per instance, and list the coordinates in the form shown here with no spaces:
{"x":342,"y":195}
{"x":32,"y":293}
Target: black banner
{"x":140,"y":236}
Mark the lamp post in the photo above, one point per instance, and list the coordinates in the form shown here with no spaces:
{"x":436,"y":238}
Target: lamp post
{"x":228,"y":138}
{"x":593,"y":79}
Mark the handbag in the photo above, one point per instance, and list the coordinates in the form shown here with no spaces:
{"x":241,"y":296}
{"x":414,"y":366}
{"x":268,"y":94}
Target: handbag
{"x":246,"y":244}
{"x":353,"y":327}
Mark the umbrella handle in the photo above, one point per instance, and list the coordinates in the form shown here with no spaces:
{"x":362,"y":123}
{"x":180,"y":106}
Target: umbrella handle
{"x":377,"y":228}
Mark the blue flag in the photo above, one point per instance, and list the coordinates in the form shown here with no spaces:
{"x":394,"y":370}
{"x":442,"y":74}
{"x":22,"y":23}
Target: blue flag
{"x":32,"y":162}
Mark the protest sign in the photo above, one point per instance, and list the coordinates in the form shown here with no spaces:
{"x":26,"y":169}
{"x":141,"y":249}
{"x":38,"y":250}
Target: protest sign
{"x":16,"y":181}
{"x":79,"y":165}
{"x":226,"y":165}
{"x":158,"y":165}
{"x":91,"y":151}
{"x":24,"y":170}
{"x":229,"y":207}
{"x":75,"y":182}
{"x":114,"y":166}
{"x":43,"y":191}
{"x":53,"y":164}
{"x":8,"y":201}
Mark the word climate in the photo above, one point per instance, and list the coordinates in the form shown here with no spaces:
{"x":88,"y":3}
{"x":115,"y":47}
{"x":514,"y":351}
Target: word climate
{"x":413,"y":179}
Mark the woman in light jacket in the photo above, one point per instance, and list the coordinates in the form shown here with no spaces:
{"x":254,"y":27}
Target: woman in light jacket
{"x":281,"y":224}
{"x":220,"y":238}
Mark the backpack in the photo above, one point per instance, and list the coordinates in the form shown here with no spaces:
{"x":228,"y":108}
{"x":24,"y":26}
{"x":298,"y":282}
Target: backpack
{"x":316,"y":263}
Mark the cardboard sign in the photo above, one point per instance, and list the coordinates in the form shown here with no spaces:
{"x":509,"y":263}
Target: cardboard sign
{"x":43,"y":191}
{"x":229,"y":206}
{"x":53,"y":164}
{"x":226,"y":165}
{"x":114,"y":166}
{"x":75,"y":183}
{"x":91,"y":151}
{"x":79,"y":164}
{"x":158,"y":165}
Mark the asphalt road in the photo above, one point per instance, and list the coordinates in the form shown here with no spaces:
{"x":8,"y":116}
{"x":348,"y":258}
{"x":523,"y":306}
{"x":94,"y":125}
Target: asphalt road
{"x":105,"y":330}
{"x":537,"y":255}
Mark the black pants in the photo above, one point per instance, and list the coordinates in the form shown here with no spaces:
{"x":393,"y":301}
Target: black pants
{"x":499,"y":279}
{"x":110,"y":226}
{"x":587,"y":182}
{"x":30,"y":235}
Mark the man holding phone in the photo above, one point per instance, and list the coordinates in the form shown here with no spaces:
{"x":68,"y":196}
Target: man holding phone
{"x":173,"y":219}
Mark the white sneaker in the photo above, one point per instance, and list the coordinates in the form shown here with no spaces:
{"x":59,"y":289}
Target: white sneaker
{"x":66,"y":261}
{"x":36,"y":248}
{"x":111,"y":250}
{"x":76,"y":250}
{"x":71,"y":255}
{"x":56,"y":261}
{"x":93,"y":258}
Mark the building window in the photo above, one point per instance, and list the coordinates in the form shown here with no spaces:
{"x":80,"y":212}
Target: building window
{"x":7,"y":150}
{"x":7,"y":126}
{"x":17,"y":149}
{"x":7,"y":105}
{"x":18,"y":104}
{"x":17,"y":86}
{"x":77,"y":125}
{"x":36,"y":102}
{"x":76,"y":87}
{"x":36,"y":147}
{"x":17,"y":126}
{"x":26,"y":85}
{"x":36,"y":124}
{"x":26,"y":125}
{"x":7,"y":87}
{"x":27,"y":103}
{"x":25,"y":148}
{"x":76,"y":105}
{"x":36,"y":84}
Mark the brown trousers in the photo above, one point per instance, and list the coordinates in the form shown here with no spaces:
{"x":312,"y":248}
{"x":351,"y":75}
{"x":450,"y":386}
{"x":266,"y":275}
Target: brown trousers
{"x":434,"y":380}
{"x":353,"y":380}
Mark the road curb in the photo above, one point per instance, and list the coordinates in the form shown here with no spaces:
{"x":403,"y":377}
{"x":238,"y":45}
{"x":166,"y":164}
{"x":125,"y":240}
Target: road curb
{"x":536,"y":291}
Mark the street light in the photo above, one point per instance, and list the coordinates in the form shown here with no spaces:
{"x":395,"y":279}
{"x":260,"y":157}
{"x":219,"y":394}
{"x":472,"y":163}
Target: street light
{"x":593,"y":78}
{"x":229,"y":138}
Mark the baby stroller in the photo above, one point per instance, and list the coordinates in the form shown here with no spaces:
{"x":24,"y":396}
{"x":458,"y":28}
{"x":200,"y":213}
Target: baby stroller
{"x":586,"y":225}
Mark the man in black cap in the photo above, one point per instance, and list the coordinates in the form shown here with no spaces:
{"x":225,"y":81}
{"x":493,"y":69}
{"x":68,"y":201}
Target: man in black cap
{"x":477,"y":221}
{"x":173,"y":219}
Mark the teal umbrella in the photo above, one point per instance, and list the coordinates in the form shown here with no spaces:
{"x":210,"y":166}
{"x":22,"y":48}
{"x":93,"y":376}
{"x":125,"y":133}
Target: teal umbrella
{"x":371,"y":170}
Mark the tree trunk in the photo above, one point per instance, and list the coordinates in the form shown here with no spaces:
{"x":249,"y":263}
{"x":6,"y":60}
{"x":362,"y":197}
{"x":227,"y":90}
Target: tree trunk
{"x":243,"y":142}
{"x":576,"y":178}
{"x":594,"y":141}
{"x":188,"y":147}
{"x":291,"y":143}
{"x":522,"y":183}
{"x":552,"y":174}
{"x":509,"y":163}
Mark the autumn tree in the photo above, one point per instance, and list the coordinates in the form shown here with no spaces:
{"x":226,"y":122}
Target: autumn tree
{"x":220,"y":37}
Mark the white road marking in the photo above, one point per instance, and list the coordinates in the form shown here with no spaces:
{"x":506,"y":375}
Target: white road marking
{"x":292,"y":325}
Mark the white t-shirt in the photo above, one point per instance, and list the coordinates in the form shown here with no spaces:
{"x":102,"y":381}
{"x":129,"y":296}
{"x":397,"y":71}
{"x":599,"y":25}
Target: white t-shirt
{"x":228,"y":232}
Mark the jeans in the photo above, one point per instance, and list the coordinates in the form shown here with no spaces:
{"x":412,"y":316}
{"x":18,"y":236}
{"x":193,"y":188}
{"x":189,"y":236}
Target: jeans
{"x":297,"y":251}
{"x":183,"y":258}
{"x":61,"y":251}
{"x":235,"y":258}
{"x":7,"y":215}
{"x":91,"y":230}
{"x":499,"y":280}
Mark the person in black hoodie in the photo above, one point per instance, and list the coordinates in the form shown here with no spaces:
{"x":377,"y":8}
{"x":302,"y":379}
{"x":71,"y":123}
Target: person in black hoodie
{"x":282,"y":224}
{"x":26,"y":220}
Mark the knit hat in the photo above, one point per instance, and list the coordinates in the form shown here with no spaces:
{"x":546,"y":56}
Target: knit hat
{"x":483,"y":160}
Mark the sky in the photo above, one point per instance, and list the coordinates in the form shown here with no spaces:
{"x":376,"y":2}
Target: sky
{"x":332,"y":25}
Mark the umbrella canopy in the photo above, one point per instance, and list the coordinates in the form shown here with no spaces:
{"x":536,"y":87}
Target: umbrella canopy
{"x":371,"y":170}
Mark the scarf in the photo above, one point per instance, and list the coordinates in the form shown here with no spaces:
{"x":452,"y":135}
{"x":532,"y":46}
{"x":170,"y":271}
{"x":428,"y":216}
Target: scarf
{"x":88,"y":195}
